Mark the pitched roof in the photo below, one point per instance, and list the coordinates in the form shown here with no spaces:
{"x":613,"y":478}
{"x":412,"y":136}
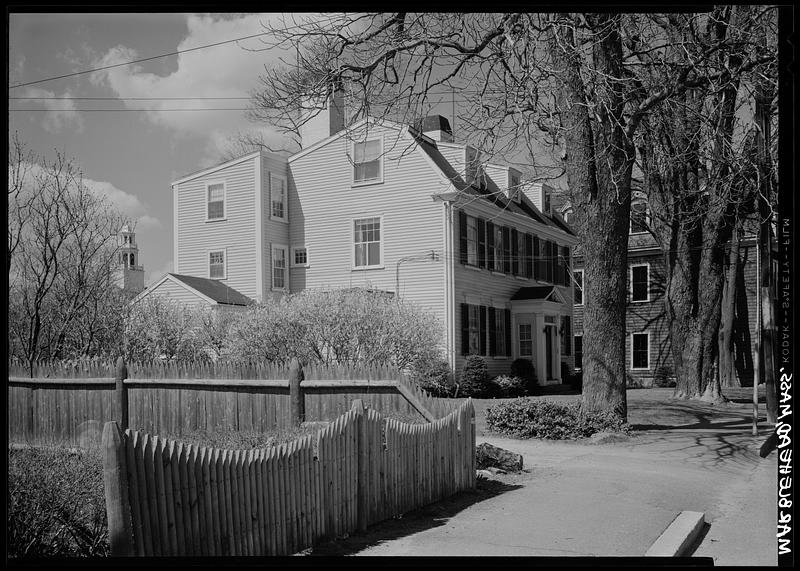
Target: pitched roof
{"x":536,"y":292}
{"x":485,"y":188}
{"x":214,"y":289}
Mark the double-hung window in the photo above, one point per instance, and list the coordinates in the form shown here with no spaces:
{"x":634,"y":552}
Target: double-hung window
{"x":279,"y":264}
{"x":277,"y":186}
{"x":525,"y":340}
{"x":498,"y":249}
{"x":640,"y":278}
{"x":300,"y":256}
{"x":215,"y":200}
{"x":367,"y":159}
{"x":367,"y":242}
{"x":640,"y":351}
{"x":216,"y":264}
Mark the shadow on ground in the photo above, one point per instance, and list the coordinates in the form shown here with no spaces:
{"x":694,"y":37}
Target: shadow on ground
{"x":422,"y":519}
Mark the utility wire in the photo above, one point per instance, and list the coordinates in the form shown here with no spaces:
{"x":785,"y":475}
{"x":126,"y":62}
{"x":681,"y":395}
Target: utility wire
{"x":136,"y":61}
{"x":132,"y":98}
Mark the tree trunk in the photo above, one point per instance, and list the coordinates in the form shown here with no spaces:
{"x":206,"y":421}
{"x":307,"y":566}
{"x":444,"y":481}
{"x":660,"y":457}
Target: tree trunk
{"x":727,"y":356}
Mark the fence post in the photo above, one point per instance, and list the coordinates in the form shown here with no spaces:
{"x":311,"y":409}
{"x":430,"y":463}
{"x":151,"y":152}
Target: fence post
{"x":121,"y":394}
{"x":115,"y":483}
{"x":297,"y":404}
{"x":362,"y":490}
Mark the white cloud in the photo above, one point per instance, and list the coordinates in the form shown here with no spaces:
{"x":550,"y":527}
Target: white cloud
{"x":60,"y":113}
{"x":222,"y":71}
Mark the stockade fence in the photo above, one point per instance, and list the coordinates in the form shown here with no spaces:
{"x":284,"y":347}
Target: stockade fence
{"x":165,"y":498}
{"x":69,"y":405}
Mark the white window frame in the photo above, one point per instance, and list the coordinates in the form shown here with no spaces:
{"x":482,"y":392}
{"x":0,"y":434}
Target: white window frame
{"x":379,"y":178}
{"x":529,"y":339}
{"x":633,"y":335}
{"x":224,"y":263}
{"x":285,"y":250}
{"x":575,"y":286}
{"x":647,"y":285}
{"x":646,"y":217}
{"x":353,"y":243}
{"x":207,"y":187}
{"x":293,"y":261}
{"x":285,"y":217}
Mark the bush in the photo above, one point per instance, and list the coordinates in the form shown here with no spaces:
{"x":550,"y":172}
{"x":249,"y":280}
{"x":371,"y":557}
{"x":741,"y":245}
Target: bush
{"x":474,"y":380}
{"x":505,"y":386}
{"x":532,"y":418}
{"x":526,"y":370}
{"x":56,"y":503}
{"x":434,"y":377}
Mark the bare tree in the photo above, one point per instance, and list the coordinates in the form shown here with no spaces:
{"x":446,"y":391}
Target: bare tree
{"x":698,"y":158}
{"x":61,"y":274}
{"x":532,"y":86}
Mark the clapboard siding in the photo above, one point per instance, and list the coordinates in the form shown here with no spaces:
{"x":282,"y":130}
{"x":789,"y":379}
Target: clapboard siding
{"x":479,"y":286}
{"x":274,"y":232}
{"x":236,"y":234}
{"x":324,"y":202}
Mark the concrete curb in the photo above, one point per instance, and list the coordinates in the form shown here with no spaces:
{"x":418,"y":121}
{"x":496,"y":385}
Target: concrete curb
{"x":679,"y":535}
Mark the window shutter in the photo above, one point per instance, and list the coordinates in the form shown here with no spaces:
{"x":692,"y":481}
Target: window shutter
{"x":537,"y":259}
{"x":528,"y":256}
{"x":490,"y":245}
{"x":492,"y":333}
{"x":506,"y":250}
{"x":481,"y":243}
{"x":507,"y":322}
{"x":552,"y":259}
{"x":464,"y":329}
{"x":566,"y":265}
{"x":515,"y":252}
{"x":483,"y":329}
{"x":462,"y":235}
{"x":568,"y":334}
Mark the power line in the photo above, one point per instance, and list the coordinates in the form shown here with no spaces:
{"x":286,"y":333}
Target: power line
{"x":129,"y":110}
{"x":136,"y":61}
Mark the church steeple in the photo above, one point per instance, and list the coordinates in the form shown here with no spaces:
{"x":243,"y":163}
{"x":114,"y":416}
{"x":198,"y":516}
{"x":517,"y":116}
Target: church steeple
{"x":131,"y":272}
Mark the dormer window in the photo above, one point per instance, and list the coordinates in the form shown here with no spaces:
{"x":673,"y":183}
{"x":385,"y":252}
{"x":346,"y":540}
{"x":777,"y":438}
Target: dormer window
{"x":513,"y":187}
{"x":546,"y":201}
{"x":639,"y":217}
{"x":367,"y":159}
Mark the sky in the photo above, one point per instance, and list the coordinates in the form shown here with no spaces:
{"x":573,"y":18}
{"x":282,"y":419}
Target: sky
{"x":132,"y":154}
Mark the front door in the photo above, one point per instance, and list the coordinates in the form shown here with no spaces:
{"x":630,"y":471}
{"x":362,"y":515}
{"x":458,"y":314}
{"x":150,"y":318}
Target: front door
{"x":549,"y":333}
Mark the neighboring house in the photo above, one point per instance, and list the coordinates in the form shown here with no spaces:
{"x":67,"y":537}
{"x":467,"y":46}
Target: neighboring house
{"x":648,"y":349}
{"x":395,"y":208}
{"x":193,"y":291}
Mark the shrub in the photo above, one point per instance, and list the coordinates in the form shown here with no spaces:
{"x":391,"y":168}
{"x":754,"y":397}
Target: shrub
{"x":434,"y":377}
{"x":56,"y":503}
{"x":474,"y":380}
{"x":532,"y":418}
{"x":505,"y":386}
{"x":526,"y":370}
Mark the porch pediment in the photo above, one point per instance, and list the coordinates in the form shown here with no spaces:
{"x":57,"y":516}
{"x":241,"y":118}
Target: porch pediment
{"x":539,"y":293}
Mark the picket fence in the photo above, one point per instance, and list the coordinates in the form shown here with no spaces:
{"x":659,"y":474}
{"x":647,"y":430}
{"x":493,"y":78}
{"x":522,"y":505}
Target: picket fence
{"x":166,"y":498}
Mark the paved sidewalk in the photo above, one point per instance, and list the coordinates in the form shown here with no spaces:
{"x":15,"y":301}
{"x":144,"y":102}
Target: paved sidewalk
{"x":576,"y":499}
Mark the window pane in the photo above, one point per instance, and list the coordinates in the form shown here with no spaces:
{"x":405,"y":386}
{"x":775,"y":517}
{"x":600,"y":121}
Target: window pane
{"x":578,"y":287}
{"x":640,"y":343}
{"x":367,"y":236}
{"x":216,"y":209}
{"x":300,"y":256}
{"x":216,"y":264}
{"x":525,"y":340}
{"x":640,"y":286}
{"x":474,"y":330}
{"x":472,"y":241}
{"x":278,"y":268}
{"x":638,"y":217}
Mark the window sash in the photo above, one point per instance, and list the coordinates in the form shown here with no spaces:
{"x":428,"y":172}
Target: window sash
{"x":638,"y":218}
{"x":300,"y":256}
{"x":367,"y":240}
{"x":578,"y":286}
{"x":279,"y":268}
{"x":216,"y":265}
{"x":216,"y":201}
{"x":640,"y":351}
{"x":278,"y":198}
{"x":472,"y":241}
{"x":525,"y":340}
{"x":474,"y":330}
{"x":367,"y":160}
{"x":639,"y":281}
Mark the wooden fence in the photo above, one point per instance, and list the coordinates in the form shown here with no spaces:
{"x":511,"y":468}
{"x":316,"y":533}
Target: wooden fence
{"x":165,"y":498}
{"x":71,"y":411}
